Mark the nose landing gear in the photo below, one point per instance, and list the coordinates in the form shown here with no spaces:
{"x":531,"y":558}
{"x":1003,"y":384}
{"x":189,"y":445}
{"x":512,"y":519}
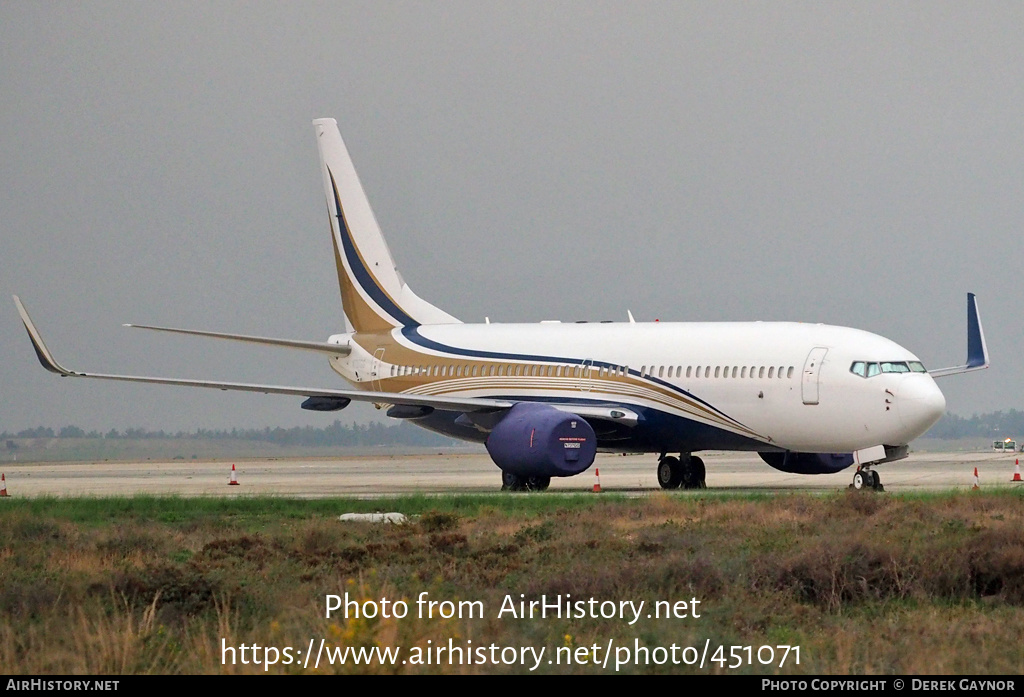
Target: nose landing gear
{"x":865,"y":478}
{"x":686,"y":472}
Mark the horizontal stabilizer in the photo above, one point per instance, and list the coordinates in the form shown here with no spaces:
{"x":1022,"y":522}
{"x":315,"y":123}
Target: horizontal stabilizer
{"x":322,"y":347}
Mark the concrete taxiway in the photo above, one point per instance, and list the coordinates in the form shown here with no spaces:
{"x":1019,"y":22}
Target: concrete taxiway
{"x":381,"y":475}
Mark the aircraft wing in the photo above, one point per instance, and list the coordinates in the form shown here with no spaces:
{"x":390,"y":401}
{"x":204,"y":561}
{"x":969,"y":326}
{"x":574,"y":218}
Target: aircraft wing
{"x":977,"y":349}
{"x":467,"y":405}
{"x":472,"y":404}
{"x":321,"y":347}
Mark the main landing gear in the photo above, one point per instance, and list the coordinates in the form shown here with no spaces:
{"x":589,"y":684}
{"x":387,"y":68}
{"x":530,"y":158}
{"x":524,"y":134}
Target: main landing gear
{"x":683,"y":472}
{"x":515,"y":482}
{"x":865,"y":478}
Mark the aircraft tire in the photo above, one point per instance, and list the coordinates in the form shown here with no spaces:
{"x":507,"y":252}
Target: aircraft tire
{"x":512,"y":482}
{"x":537,"y":483}
{"x":670,"y":473}
{"x":876,"y":481}
{"x":859,"y":480}
{"x":699,"y":473}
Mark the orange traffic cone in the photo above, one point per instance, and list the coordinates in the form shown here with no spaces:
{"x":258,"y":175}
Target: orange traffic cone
{"x":1016,"y":471}
{"x":3,"y":485}
{"x":234,"y":479}
{"x":597,"y":481}
{"x":975,"y":480}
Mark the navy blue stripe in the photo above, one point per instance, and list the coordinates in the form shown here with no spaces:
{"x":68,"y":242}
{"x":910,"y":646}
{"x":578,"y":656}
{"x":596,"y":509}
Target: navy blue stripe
{"x":656,"y":431}
{"x":413,"y":335}
{"x":362,"y":274}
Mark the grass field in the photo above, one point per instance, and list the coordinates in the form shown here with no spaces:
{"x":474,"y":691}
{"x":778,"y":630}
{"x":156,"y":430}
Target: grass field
{"x":862,"y":583}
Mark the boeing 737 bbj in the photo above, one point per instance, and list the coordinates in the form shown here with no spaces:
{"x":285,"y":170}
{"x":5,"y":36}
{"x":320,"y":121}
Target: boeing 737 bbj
{"x":545,"y":398}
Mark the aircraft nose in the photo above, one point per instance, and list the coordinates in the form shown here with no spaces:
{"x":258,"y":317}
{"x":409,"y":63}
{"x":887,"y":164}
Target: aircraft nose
{"x":920,"y":403}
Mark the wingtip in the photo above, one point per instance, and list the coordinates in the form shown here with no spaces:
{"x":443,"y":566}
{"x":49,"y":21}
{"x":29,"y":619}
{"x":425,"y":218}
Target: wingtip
{"x":42,"y":353}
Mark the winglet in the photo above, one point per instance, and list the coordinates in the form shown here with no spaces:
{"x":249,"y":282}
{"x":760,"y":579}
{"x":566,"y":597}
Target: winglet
{"x":43,"y":353}
{"x":977,"y":349}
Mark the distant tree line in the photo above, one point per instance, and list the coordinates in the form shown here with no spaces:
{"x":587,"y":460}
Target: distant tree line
{"x":375,"y":433}
{"x":993,"y":425}
{"x":998,"y":424}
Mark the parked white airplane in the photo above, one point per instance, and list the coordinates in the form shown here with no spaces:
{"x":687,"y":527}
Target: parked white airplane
{"x":544,"y":398}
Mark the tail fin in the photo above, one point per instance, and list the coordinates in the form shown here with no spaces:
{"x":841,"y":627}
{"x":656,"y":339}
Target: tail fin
{"x":373,"y":294}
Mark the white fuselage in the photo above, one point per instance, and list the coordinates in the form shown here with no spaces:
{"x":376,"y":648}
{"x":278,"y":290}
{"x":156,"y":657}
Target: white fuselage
{"x":774,"y":385}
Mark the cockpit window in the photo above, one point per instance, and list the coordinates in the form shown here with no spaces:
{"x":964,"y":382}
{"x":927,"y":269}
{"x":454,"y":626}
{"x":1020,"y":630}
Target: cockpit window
{"x":868,"y":369}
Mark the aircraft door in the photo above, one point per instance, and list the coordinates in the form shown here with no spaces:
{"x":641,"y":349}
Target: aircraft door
{"x":584,"y":374}
{"x":376,"y":367}
{"x":812,"y":371}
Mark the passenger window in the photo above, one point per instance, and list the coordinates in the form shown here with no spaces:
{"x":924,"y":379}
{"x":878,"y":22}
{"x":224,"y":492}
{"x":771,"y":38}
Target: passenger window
{"x":789,"y":373}
{"x":689,"y":369}
{"x":760,"y":372}
{"x":717,"y":369}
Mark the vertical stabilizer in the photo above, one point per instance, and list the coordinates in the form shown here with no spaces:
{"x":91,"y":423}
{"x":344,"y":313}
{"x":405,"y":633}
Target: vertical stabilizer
{"x":373,"y":294}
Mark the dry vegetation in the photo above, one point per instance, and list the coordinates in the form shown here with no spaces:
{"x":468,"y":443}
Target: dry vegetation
{"x":863,"y":583}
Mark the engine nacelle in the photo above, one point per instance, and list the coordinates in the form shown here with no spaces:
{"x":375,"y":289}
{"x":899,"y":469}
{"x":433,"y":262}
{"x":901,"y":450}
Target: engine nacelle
{"x":536,"y":440}
{"x":808,"y":463}
{"x":326,"y":403}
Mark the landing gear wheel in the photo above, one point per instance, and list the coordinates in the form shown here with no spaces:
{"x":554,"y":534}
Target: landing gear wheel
{"x":876,"y":481}
{"x":670,"y":473}
{"x":697,"y":474}
{"x":860,"y":480}
{"x":512,"y":482}
{"x":537,"y":483}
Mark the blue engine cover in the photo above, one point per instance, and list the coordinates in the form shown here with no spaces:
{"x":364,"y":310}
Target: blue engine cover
{"x":535,"y":440}
{"x":808,"y":463}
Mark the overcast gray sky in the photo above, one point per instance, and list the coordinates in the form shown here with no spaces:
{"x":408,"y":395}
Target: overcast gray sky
{"x":858,"y":164}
